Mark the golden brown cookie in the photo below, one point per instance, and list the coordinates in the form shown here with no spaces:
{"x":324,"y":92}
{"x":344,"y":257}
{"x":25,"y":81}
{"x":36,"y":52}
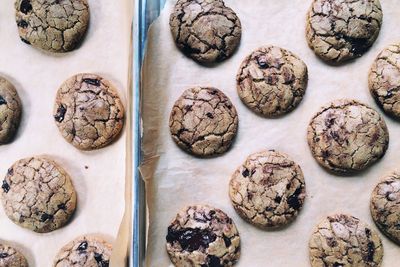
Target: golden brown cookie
{"x":10,"y":257}
{"x":10,"y":111}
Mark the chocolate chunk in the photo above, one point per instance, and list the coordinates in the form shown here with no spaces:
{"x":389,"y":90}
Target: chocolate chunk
{"x":245,"y":173}
{"x":278,"y":199}
{"x":3,"y":255}
{"x":227,"y":241}
{"x":371,"y":251}
{"x":46,"y":217}
{"x":2,"y":101}
{"x":358,"y":46}
{"x":293,"y":200}
{"x":214,"y":261}
{"x":191,"y":239}
{"x":62,"y":206}
{"x":99,"y":259}
{"x":10,"y":171}
{"x":61,"y":110}
{"x":83,"y":246}
{"x":262,"y":62}
{"x":25,"y":6}
{"x":25,"y":41}
{"x":336,"y":264}
{"x":5,"y":186}
{"x":210,"y":115}
{"x":22,"y":23}
{"x":95,"y":82}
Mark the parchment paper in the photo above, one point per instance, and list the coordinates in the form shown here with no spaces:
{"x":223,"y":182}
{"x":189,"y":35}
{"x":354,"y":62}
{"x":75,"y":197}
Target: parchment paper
{"x":180,"y":179}
{"x":37,"y":76}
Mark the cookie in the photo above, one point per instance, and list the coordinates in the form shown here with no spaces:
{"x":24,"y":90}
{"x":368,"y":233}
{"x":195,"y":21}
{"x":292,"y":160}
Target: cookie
{"x":10,"y":111}
{"x":340,"y":30}
{"x":84,"y":251}
{"x":205,"y":30}
{"x":347,"y":136}
{"x":385,"y":206}
{"x":272,"y":81}
{"x":52,"y":25}
{"x":268,"y":190}
{"x":344,"y":240}
{"x":203,"y":121}
{"x":38,"y":194}
{"x":10,"y":257}
{"x":88,"y":111}
{"x":202,"y":236}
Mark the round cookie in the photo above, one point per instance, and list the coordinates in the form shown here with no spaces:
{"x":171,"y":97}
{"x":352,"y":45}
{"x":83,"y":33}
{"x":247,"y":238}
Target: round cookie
{"x":347,"y":136}
{"x":10,"y":257}
{"x":268,"y":190}
{"x":38,"y":194}
{"x":340,"y":30}
{"x":272,"y":81}
{"x":385,"y":206}
{"x":84,"y":251}
{"x":203,"y":236}
{"x":10,"y":111}
{"x":88,"y":111}
{"x":203,"y":121}
{"x":343,"y":240}
{"x":52,"y":25}
{"x":205,"y":30}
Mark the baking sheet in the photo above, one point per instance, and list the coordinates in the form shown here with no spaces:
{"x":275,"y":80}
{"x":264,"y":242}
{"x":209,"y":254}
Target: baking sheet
{"x":37,"y":76}
{"x":175,"y":179}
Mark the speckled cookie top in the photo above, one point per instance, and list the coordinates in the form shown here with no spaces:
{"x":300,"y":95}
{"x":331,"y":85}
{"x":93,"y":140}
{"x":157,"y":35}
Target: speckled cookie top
{"x":344,"y":240}
{"x":52,"y":25}
{"x":339,"y":30}
{"x":347,"y":136}
{"x":268,"y":190}
{"x":202,"y":236}
{"x":10,"y":111}
{"x":37,"y":194}
{"x":205,"y":30}
{"x":385,"y":206}
{"x":203,"y":121}
{"x":88,"y":111}
{"x":10,"y":257}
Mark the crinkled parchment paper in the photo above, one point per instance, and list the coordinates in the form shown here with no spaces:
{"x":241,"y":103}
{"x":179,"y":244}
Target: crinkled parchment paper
{"x":180,"y":179}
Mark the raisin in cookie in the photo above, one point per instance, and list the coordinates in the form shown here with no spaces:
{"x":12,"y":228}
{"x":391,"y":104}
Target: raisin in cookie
{"x":88,"y":111}
{"x":340,"y":30}
{"x":84,"y":251}
{"x":52,"y":25}
{"x":10,"y":111}
{"x":272,"y":81}
{"x":203,"y":121}
{"x":346,"y":136}
{"x":38,"y":194}
{"x":202,"y":236}
{"x":385,"y":206}
{"x":205,"y":30}
{"x":10,"y":257}
{"x":268,"y":190}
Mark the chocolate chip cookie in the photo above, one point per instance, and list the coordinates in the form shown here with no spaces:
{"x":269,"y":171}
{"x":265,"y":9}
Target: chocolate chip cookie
{"x":10,"y":111}
{"x":340,"y":30}
{"x":38,"y":194}
{"x":84,"y":251}
{"x":205,"y":30}
{"x":344,"y":240}
{"x":10,"y":257}
{"x":88,"y":111}
{"x":203,"y":121}
{"x":272,"y":81}
{"x":203,"y":236}
{"x":346,"y":136}
{"x":52,"y":25}
{"x":268,"y":190}
{"x":385,"y":206}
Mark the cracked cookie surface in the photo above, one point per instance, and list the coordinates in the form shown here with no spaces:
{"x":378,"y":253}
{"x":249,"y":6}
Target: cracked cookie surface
{"x":202,"y":236}
{"x":268,"y":190}
{"x":88,"y":111}
{"x":385,"y":206}
{"x":205,"y":30}
{"x":52,"y":25}
{"x":10,"y":111}
{"x":203,"y":121}
{"x":84,"y":251}
{"x":272,"y":81}
{"x":10,"y":257}
{"x":340,"y":30}
{"x":345,"y":241}
{"x":347,"y":136}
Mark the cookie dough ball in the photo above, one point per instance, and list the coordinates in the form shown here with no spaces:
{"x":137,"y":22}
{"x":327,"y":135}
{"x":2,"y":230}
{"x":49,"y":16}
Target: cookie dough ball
{"x":52,"y":25}
{"x":385,"y":206}
{"x":10,"y":111}
{"x":340,"y":30}
{"x":347,"y":136}
{"x":202,"y":236}
{"x":88,"y":111}
{"x":84,"y":251}
{"x":203,"y":121}
{"x":38,"y":194}
{"x":344,"y":240}
{"x":268,"y":190}
{"x":272,"y":81}
{"x":10,"y":257}
{"x":205,"y":30}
